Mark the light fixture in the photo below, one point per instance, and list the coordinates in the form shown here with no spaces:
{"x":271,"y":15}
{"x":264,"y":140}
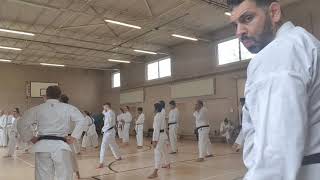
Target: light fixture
{"x":147,"y":52}
{"x":5,"y":60}
{"x":10,"y":48}
{"x":55,"y":65}
{"x":16,"y":32}
{"x":184,"y":37}
{"x":227,"y":13}
{"x":120,"y":61}
{"x":122,"y":24}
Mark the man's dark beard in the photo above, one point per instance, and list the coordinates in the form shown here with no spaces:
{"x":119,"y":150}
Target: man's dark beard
{"x":261,"y":40}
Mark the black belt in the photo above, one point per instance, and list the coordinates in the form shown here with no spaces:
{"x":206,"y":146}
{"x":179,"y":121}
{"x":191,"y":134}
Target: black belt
{"x":162,"y":131}
{"x":197,"y":129}
{"x":49,"y":137}
{"x":311,"y":159}
{"x":172,"y":123}
{"x":110,"y":128}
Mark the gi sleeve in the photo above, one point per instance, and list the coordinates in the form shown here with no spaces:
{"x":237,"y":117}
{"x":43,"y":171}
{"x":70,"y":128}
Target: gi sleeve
{"x":25,"y":125}
{"x":156,"y":128}
{"x":77,"y":117}
{"x":279,"y":115}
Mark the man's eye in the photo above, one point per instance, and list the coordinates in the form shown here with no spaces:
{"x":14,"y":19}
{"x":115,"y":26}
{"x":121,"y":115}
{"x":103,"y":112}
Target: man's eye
{"x":248,"y":19}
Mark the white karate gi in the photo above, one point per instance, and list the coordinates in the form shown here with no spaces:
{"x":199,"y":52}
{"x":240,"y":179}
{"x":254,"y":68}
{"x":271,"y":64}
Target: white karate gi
{"x":3,"y":131}
{"x":52,"y":157}
{"x":204,"y":143}
{"x":161,"y":151}
{"x":225,"y":130}
{"x":120,"y":125}
{"x":126,"y":129}
{"x":109,"y":134}
{"x":90,"y":139}
{"x":240,"y":139}
{"x":281,"y":117}
{"x":139,"y":129}
{"x":13,"y":136}
{"x":173,"y":124}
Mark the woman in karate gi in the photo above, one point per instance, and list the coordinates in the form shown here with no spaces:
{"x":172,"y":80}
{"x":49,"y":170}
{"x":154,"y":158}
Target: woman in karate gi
{"x":90,"y":138}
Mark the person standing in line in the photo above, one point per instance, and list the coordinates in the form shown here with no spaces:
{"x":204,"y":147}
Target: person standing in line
{"x":120,"y":123}
{"x":13,"y":133}
{"x":139,"y":128}
{"x":3,"y":129}
{"x":203,"y":129}
{"x":159,"y":139}
{"x":90,"y":137}
{"x":127,"y":122}
{"x":173,"y":124}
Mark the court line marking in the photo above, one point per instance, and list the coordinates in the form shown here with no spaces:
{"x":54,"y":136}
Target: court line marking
{"x":26,"y":162}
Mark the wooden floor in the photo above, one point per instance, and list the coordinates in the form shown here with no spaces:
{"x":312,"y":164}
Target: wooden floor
{"x":138,"y":164}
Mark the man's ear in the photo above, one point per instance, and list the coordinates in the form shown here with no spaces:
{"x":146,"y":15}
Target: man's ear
{"x":275,"y":12}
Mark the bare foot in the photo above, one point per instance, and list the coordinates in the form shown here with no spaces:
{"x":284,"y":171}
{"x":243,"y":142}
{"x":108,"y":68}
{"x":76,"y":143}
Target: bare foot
{"x":100,"y":166}
{"x":200,"y":160}
{"x":166,"y":166}
{"x":153,"y":175}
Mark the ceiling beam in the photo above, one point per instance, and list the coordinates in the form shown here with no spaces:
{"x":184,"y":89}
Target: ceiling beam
{"x":148,"y":8}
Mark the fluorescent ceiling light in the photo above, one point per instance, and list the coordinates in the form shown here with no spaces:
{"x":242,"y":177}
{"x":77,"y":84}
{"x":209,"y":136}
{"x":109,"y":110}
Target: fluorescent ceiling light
{"x":5,"y":60}
{"x":10,"y":48}
{"x":122,"y":24}
{"x":16,"y":32}
{"x":56,"y":65}
{"x":147,"y":52}
{"x":227,"y":13}
{"x":120,"y":61}
{"x":184,"y":37}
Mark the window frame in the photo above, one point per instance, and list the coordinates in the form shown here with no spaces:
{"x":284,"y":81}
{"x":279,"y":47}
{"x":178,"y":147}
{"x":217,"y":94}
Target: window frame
{"x":112,"y":79}
{"x":240,"y":54}
{"x":158,"y":60}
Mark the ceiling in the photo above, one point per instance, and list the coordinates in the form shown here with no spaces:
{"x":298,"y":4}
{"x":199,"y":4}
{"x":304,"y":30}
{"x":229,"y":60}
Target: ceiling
{"x":74,"y":33}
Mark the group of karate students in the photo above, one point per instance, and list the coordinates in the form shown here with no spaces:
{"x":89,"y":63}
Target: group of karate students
{"x":55,"y":128}
{"x":9,"y":136}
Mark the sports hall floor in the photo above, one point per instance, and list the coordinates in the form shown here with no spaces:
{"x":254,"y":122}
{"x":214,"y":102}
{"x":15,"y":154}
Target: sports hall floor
{"x":138,"y":164}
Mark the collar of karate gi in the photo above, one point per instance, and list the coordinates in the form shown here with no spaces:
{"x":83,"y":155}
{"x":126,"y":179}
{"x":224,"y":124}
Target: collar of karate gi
{"x":52,"y":101}
{"x":285,"y":28}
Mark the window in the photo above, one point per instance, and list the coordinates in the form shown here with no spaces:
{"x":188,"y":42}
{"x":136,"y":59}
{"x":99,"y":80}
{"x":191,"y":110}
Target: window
{"x":232,"y":51}
{"x":116,"y":80}
{"x":159,"y":69}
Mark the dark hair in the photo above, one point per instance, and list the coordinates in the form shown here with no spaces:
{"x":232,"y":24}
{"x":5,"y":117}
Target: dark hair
{"x":107,"y":103}
{"x":173,"y":103}
{"x":162,"y":103}
{"x":87,"y":113}
{"x":200,"y":102}
{"x":157,"y":107}
{"x":234,"y":3}
{"x":140,"y":109}
{"x":128,"y":107}
{"x":64,"y":98}
{"x":121,"y":110}
{"x":17,"y":110}
{"x":53,"y":92}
